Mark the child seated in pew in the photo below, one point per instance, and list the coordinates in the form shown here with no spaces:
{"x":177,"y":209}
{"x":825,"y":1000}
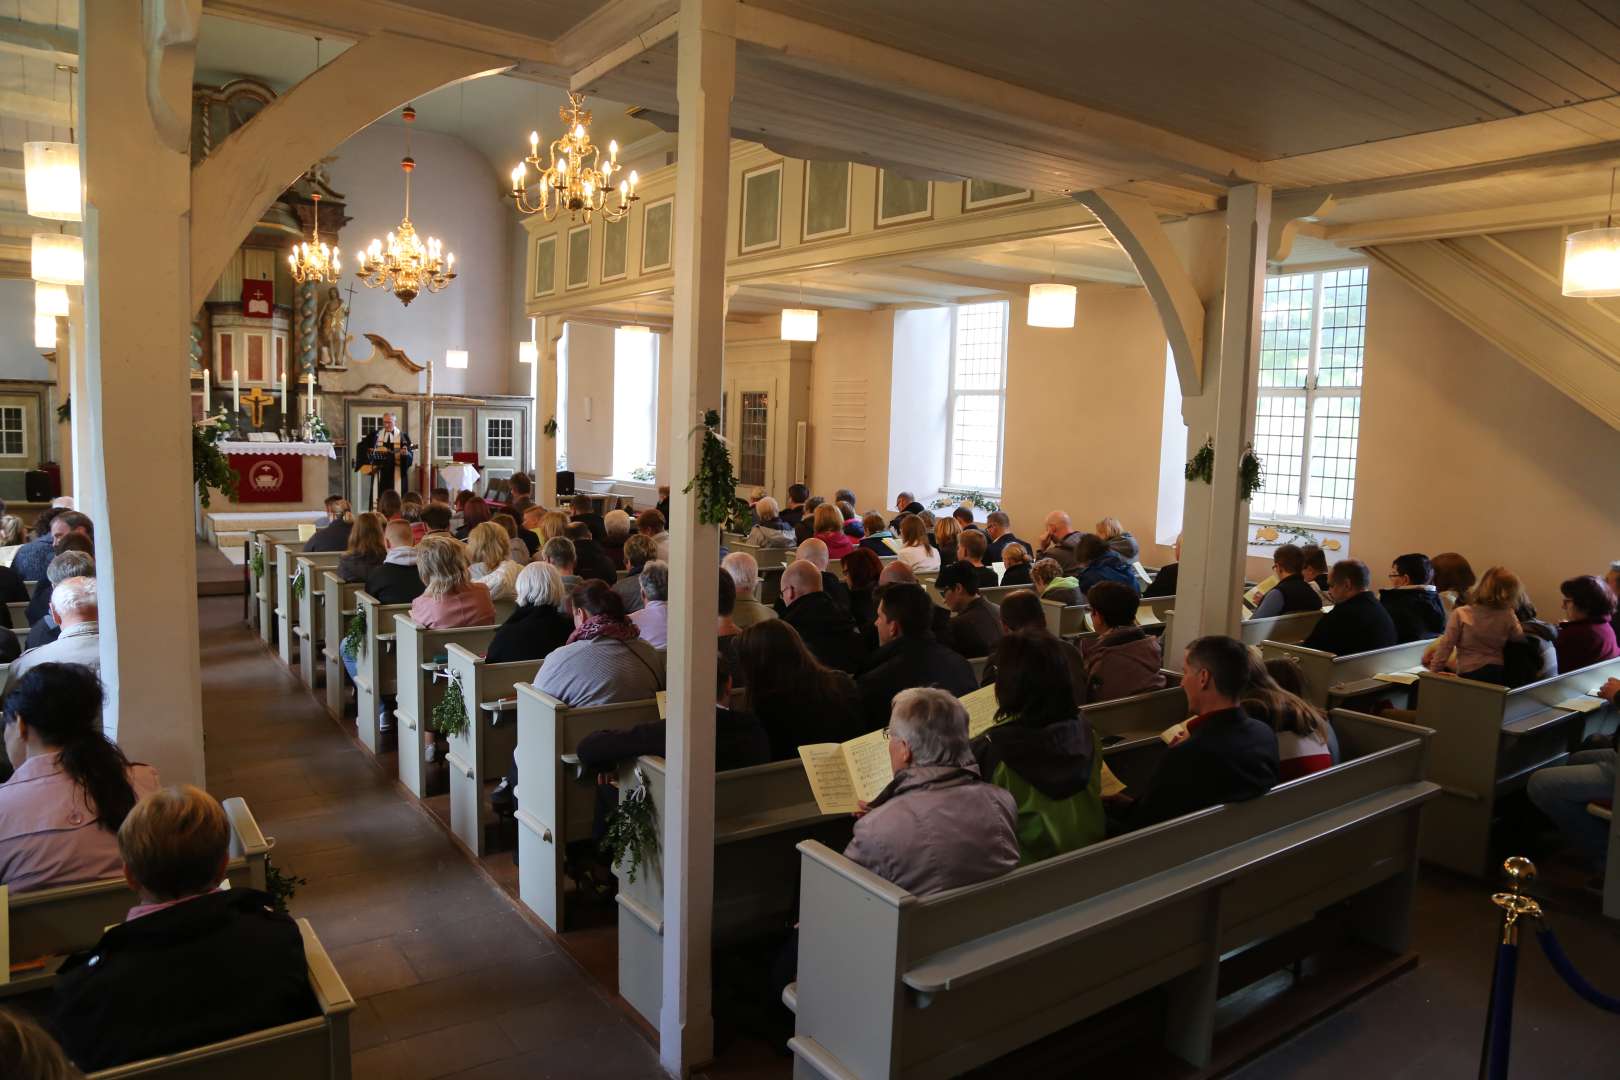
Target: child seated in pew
{"x":1357,"y":623}
{"x":1015,"y":566}
{"x":1536,"y":657}
{"x":1477,"y":630}
{"x":739,"y":739}
{"x":1226,"y":755}
{"x":1123,"y":659}
{"x":970,"y":548}
{"x":61,"y":809}
{"x":1042,"y":750}
{"x":192,"y":964}
{"x":1412,"y":602}
{"x":1292,"y":593}
{"x":539,"y":624}
{"x":1275,"y":695}
{"x":1585,"y":636}
{"x":1051,"y":583}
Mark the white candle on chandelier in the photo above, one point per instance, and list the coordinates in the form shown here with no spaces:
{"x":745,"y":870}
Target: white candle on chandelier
{"x":534,"y":142}
{"x":613,"y":150}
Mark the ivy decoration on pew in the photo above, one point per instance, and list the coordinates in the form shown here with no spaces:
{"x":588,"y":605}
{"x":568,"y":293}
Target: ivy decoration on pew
{"x":297,"y":588}
{"x":354,"y":638}
{"x":1202,"y":465}
{"x":450,"y":714}
{"x":258,"y":562}
{"x":716,"y":484}
{"x":281,"y":885}
{"x":1251,"y":473}
{"x":632,"y":829}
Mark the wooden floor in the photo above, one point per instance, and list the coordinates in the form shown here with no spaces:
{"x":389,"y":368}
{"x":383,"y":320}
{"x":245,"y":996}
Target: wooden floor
{"x":453,"y":981}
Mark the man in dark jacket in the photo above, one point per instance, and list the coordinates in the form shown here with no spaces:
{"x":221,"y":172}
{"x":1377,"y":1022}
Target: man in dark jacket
{"x":191,"y":965}
{"x":1411,"y":601}
{"x":1292,"y":593}
{"x":827,"y":629}
{"x":584,"y":511}
{"x":1357,"y":623}
{"x":396,"y":581}
{"x":590,"y":561}
{"x":793,"y":509}
{"x":907,"y":655}
{"x":904,"y":503}
{"x":1226,"y":755}
{"x":998,"y":528}
{"x":30,"y":560}
{"x":814,"y":552}
{"x":975,"y":624}
{"x":1060,"y":540}
{"x":1164,"y":582}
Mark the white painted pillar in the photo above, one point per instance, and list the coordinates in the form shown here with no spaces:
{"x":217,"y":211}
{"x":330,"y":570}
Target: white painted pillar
{"x":548,"y":332}
{"x":137,"y":314}
{"x":707,"y":52}
{"x":1215,"y":528}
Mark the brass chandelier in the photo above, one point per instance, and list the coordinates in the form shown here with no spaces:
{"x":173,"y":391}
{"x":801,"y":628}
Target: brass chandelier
{"x":576,"y":179}
{"x":312,"y":260}
{"x":405,"y":264}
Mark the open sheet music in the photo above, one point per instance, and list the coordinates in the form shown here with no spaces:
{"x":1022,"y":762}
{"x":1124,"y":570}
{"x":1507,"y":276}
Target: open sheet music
{"x":844,"y":774}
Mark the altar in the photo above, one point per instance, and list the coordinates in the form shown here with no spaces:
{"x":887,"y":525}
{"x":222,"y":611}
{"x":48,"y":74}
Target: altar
{"x":277,"y":476}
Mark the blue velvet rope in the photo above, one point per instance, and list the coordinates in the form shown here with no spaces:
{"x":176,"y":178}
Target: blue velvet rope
{"x":1577,"y":982}
{"x":1501,"y":1024}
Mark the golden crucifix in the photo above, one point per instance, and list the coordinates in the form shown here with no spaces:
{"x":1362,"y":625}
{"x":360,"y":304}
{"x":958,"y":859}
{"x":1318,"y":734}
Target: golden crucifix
{"x":256,"y":399}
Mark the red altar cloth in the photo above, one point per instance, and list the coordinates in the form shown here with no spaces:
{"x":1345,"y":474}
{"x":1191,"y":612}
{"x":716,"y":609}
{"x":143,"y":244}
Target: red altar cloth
{"x":268,"y":478}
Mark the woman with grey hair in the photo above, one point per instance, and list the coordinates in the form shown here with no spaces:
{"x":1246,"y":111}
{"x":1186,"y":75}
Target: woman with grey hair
{"x":770,"y":529}
{"x":744,"y":571}
{"x":541,"y":622}
{"x":938,"y":824}
{"x":616,"y":526}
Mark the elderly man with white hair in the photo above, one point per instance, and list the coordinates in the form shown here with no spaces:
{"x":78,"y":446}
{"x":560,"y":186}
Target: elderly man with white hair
{"x":744,"y":571}
{"x":771,"y":529}
{"x":73,"y":606}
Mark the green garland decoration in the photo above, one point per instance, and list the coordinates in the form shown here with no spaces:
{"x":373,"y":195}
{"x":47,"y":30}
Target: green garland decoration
{"x":1251,"y":473}
{"x":632,"y":829}
{"x":281,"y":885}
{"x":258,"y":562}
{"x":298,"y":585}
{"x":1202,"y":465}
{"x":716,"y":484}
{"x":450,"y":714}
{"x":354,"y":638}
{"x":551,"y":428}
{"x":209,"y":467}
{"x":64,"y":411}
{"x":967,"y":498}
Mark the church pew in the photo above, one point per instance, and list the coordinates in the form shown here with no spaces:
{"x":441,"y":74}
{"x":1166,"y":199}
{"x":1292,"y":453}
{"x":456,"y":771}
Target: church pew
{"x":1336,"y":680}
{"x":375,"y":667}
{"x":1139,"y":715}
{"x":762,"y":555}
{"x":316,"y":1048}
{"x":555,"y":803}
{"x":1488,"y":740}
{"x":770,"y":584}
{"x":265,"y":542}
{"x":71,"y":918}
{"x":421,"y":682}
{"x":18,"y":612}
{"x":1287,"y":629}
{"x":896,"y":985}
{"x":309,"y":626}
{"x":483,"y":753}
{"x":760,"y":815}
{"x":287,"y":560}
{"x":1065,"y":620}
{"x":337,"y":609}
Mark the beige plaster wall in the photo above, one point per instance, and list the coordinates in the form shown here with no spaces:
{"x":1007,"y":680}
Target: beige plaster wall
{"x":850,"y":374}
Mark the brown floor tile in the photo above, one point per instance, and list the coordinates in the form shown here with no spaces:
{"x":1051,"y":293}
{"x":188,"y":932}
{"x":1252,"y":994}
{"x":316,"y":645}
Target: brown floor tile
{"x":374,"y":967}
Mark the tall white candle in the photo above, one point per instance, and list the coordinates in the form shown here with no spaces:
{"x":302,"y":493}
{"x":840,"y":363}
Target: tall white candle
{"x":309,"y":405}
{"x":236,"y":391}
{"x":285,"y":400}
{"x":205,"y":391}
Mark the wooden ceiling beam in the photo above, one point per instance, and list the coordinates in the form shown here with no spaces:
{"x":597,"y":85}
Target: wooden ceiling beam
{"x":1467,"y":223}
{"x":58,"y":44}
{"x":43,"y":110}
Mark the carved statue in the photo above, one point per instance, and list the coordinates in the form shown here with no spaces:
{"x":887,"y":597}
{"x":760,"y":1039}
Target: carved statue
{"x":331,"y":324}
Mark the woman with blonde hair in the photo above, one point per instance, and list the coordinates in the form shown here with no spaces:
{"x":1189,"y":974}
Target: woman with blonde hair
{"x":1478,"y":629}
{"x":519,"y":551}
{"x":450,"y":597}
{"x":914,"y":549}
{"x":11,"y":530}
{"x":1015,"y":565}
{"x":553,"y":523}
{"x":491,"y":563}
{"x":366,"y":549}
{"x":946,"y":532}
{"x":1118,"y":539}
{"x":828,"y":527}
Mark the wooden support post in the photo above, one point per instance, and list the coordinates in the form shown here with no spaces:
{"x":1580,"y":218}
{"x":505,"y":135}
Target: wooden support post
{"x":548,"y":332}
{"x":707,"y":58}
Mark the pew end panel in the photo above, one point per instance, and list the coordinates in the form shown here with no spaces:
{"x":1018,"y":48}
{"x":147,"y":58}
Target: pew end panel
{"x":483,"y":752}
{"x":555,"y":805}
{"x":316,"y":1048}
{"x":421,"y":682}
{"x":337,"y":608}
{"x":895,"y":985}
{"x":375,"y":666}
{"x":1348,"y":680}
{"x":309,"y":628}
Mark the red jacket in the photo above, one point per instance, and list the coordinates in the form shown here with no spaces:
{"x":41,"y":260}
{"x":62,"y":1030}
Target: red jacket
{"x":838,"y":545}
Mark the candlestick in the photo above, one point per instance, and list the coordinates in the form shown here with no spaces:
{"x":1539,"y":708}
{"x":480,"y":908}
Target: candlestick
{"x":236,"y":392}
{"x":285,"y":400}
{"x":205,"y":391}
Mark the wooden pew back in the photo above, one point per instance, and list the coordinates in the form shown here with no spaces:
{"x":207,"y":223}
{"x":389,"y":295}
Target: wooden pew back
{"x":554,"y":804}
{"x":419,"y":685}
{"x":376,"y":665}
{"x":316,"y":1048}
{"x":309,"y":626}
{"x":263,"y":542}
{"x":1281,"y":628}
{"x":760,"y":814}
{"x":1487,"y":742}
{"x":287,"y":608}
{"x":482,"y":753}
{"x":762,"y":555}
{"x":1065,"y":620}
{"x":1331,"y":678}
{"x":895,"y":985}
{"x":338,"y":606}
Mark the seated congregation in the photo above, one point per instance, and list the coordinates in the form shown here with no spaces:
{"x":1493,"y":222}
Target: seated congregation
{"x":979,"y":656}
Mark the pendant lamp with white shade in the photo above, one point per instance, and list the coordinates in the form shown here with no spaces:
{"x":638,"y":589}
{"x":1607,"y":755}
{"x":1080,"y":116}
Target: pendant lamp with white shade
{"x":800,"y":323}
{"x":44,"y":331}
{"x":50,"y":299}
{"x":51,"y":180}
{"x":57,"y":259}
{"x":1051,"y":303}
{"x":1592,"y":258}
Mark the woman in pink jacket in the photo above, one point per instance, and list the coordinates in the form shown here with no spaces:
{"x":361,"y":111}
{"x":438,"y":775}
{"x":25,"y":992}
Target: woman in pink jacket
{"x":1477,"y":630}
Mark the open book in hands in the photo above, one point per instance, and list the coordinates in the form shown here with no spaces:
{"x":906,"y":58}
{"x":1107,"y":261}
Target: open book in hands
{"x":845,"y":775}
